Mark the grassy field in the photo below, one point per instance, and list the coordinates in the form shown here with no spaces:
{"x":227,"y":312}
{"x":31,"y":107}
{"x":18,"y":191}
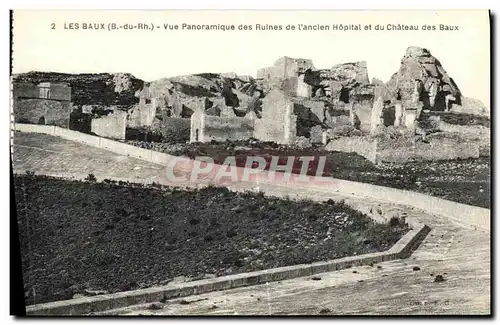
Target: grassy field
{"x":87,"y":237}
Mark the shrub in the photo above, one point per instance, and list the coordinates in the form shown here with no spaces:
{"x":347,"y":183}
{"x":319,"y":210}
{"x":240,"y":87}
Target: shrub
{"x":91,"y":178}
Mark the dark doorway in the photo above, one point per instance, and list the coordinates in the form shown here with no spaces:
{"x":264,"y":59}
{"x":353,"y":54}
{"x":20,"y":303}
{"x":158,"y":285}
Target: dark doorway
{"x":196,"y":135}
{"x":41,"y":121}
{"x":389,"y":115}
{"x":344,"y":95}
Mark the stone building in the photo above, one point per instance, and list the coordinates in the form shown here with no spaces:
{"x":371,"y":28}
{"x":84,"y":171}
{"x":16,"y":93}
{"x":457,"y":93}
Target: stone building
{"x":112,"y":126}
{"x":45,"y":103}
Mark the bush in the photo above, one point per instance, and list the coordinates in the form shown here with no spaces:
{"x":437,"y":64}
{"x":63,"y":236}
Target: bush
{"x":91,"y":178}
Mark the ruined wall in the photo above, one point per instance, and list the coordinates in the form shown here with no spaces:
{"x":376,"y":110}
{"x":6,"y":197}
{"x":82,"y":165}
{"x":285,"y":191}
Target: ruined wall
{"x":142,"y":115}
{"x":278,"y":122}
{"x":470,"y":133}
{"x":364,"y":146}
{"x":44,"y":103}
{"x":112,"y":126}
{"x":42,"y":111}
{"x":175,"y":129}
{"x":90,"y":89}
{"x":228,"y":128}
{"x":268,"y":130}
{"x":437,"y":147}
{"x":363,"y":111}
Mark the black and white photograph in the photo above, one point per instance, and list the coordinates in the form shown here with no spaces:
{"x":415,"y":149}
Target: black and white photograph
{"x":251,"y":163}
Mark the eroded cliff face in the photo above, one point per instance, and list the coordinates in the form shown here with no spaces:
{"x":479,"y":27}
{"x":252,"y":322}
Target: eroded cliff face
{"x":438,"y":90}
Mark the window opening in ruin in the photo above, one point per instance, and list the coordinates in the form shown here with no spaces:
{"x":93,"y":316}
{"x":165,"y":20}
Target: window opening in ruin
{"x":196,"y":135}
{"x":44,"y":92}
{"x":148,"y":101}
{"x":41,"y":121}
{"x":344,"y":95}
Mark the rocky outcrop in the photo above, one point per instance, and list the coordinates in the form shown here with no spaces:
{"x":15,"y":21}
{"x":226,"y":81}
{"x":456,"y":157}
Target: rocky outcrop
{"x":421,"y":77}
{"x":350,"y":74}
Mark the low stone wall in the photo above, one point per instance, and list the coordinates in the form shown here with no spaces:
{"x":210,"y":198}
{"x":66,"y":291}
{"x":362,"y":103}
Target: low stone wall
{"x":471,"y":215}
{"x":364,"y":146}
{"x":405,"y":149}
{"x":471,"y":133}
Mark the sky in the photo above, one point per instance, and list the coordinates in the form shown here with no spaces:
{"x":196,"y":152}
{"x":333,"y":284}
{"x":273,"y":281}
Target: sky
{"x":48,"y":41}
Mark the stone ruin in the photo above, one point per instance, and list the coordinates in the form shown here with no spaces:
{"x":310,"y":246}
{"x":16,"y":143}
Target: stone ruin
{"x":299,"y":102}
{"x":291,"y":101}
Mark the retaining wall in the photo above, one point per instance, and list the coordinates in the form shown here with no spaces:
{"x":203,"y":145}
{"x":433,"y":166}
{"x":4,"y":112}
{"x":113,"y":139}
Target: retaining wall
{"x":474,"y":216}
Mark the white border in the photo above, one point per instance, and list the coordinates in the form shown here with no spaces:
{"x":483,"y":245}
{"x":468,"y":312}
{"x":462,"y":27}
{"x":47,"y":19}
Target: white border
{"x":185,"y":4}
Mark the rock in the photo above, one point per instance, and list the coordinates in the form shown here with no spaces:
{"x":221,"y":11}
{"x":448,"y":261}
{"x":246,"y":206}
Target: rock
{"x":156,"y":306}
{"x":325,"y":311}
{"x":439,"y":278}
{"x":350,"y":73}
{"x":316,"y":278}
{"x":420,"y":68}
{"x":90,"y":292}
{"x":416,"y":268}
{"x":470,"y":106}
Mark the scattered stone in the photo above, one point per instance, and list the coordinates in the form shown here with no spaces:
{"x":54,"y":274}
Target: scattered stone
{"x":213,"y":307}
{"x":316,"y":278}
{"x":361,"y":280}
{"x":187,"y":302}
{"x":354,"y":271}
{"x":439,"y":278}
{"x":90,"y":292}
{"x":156,"y":306}
{"x":416,"y":268}
{"x":325,"y":311}
{"x":379,"y":266}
